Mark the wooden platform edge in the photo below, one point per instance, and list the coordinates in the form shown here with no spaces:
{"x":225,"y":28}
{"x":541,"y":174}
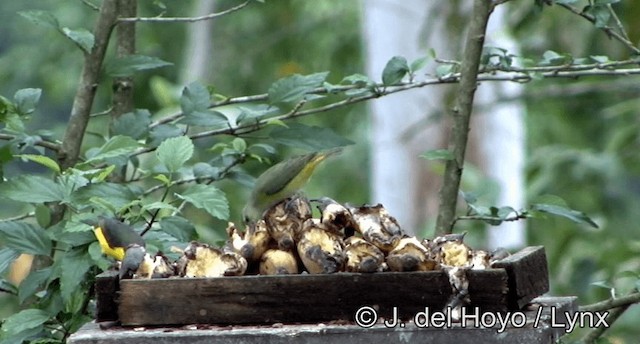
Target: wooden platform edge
{"x":528,"y":275}
{"x":107,"y":289}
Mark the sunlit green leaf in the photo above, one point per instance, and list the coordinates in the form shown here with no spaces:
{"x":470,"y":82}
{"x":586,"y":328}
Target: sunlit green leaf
{"x":174,"y":152}
{"x":42,"y":160}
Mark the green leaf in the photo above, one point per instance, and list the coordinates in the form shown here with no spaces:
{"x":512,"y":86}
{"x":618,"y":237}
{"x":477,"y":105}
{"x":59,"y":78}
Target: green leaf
{"x":163,"y":179}
{"x":114,"y":147}
{"x":42,"y":160}
{"x":133,"y":124}
{"x":26,"y":100}
{"x":42,"y":18}
{"x":163,"y":132}
{"x":357,"y":79}
{"x":7,"y":256}
{"x":573,"y":215}
{"x":209,"y":198}
{"x":395,"y":70}
{"x":469,"y":197}
{"x":25,"y":238}
{"x":158,"y":206}
{"x":25,"y":320}
{"x":195,"y":98}
{"x":293,"y":89}
{"x":600,"y":13}
{"x":239,"y":144}
{"x":128,"y":65}
{"x":602,"y":284}
{"x":311,"y":138}
{"x":205,"y":118}
{"x":117,"y":195}
{"x":179,"y":228}
{"x":438,"y":154}
{"x":32,"y":189}
{"x":600,"y":58}
{"x":566,"y":2}
{"x":174,"y":152}
{"x":81,"y":37}
{"x":30,"y":285}
{"x":445,"y":70}
{"x":418,"y":64}
{"x":80,"y":260}
{"x":552,"y":58}
{"x":504,"y":212}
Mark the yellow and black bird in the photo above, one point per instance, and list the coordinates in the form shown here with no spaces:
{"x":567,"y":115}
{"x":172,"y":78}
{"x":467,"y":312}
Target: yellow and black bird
{"x":120,"y":241}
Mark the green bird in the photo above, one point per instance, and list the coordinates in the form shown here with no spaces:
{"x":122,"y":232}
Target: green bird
{"x":282,"y":181}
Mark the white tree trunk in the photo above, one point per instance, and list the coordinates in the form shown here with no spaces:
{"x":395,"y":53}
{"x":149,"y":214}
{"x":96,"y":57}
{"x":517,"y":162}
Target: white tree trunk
{"x":403,"y":125}
{"x":199,"y":46}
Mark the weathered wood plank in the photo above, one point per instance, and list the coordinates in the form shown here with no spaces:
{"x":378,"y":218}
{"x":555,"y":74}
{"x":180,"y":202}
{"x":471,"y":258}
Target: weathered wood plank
{"x":314,"y":298}
{"x":106,"y":289}
{"x":295,"y":298}
{"x":528,"y":275}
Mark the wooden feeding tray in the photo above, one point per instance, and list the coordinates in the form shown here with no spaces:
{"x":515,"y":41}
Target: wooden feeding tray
{"x":511,"y":284}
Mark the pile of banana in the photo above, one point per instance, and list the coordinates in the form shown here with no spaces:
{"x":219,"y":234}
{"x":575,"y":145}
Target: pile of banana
{"x":288,"y":240}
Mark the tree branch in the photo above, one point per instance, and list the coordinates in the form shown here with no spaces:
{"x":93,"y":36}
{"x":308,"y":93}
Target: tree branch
{"x":122,"y":101}
{"x":462,"y":114}
{"x":608,"y":30}
{"x":184,"y":19}
{"x":42,"y":143}
{"x":618,"y":306}
{"x":81,"y":110}
{"x":631,"y":298}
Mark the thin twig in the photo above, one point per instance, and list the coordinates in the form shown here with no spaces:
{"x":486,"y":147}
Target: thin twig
{"x":42,"y":143}
{"x":520,"y":77}
{"x":616,"y":19}
{"x":101,"y":113}
{"x":184,"y":19}
{"x":616,"y":306}
{"x":517,"y":217}
{"x":631,"y":298}
{"x":609,"y":31}
{"x":90,"y":5}
{"x":19,"y":217}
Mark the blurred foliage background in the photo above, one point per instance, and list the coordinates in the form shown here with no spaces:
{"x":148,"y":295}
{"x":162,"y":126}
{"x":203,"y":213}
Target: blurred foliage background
{"x":582,"y":135}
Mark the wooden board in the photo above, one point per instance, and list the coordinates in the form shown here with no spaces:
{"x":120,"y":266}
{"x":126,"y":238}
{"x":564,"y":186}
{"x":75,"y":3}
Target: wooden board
{"x":528,"y":275}
{"x":312,"y":298}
